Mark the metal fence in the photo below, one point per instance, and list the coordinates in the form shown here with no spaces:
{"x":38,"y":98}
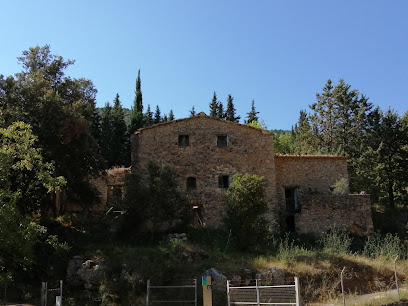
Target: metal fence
{"x":259,"y":294}
{"x":185,"y":293}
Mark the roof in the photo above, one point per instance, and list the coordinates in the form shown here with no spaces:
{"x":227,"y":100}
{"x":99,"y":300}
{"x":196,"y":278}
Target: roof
{"x":201,"y":115}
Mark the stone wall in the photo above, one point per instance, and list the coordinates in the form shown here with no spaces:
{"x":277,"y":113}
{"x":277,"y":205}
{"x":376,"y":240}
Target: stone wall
{"x":111,"y":178}
{"x":307,"y":174}
{"x":322,"y":212}
{"x":312,"y":173}
{"x":248,"y":150}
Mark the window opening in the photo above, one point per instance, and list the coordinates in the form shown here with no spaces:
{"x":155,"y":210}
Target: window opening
{"x":183,"y":141}
{"x":191,"y":183}
{"x":223,"y":181}
{"x":222,"y":140}
{"x":292,"y":207}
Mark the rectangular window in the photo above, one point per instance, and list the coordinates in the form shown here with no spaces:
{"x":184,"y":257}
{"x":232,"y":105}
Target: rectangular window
{"x":183,"y":141}
{"x":222,"y":140}
{"x":223,"y":181}
{"x":191,"y":183}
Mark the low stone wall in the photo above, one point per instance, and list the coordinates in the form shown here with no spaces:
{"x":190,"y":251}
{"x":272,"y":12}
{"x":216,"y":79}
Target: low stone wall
{"x":322,"y":212}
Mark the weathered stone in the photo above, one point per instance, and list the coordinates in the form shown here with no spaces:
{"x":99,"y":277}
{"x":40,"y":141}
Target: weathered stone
{"x":274,"y":276}
{"x":218,"y":280}
{"x":88,"y":273}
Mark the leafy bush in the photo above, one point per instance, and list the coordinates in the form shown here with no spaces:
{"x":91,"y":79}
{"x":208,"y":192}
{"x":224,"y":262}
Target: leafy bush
{"x":246,"y":206}
{"x":341,"y":187}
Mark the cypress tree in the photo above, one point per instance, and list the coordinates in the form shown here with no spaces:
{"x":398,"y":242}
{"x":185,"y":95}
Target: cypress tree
{"x":136,"y":116}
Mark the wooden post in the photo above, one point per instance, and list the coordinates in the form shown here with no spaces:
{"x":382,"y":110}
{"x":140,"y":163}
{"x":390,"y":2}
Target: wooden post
{"x":396,"y":277}
{"x":342,"y":286}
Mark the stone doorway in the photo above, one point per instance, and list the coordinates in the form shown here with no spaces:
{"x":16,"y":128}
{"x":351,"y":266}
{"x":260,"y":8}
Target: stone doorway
{"x":292,"y":207}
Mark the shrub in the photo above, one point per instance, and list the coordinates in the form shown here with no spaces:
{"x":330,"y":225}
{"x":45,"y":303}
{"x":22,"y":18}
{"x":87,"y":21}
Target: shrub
{"x":246,"y":206}
{"x":388,"y":246}
{"x":336,"y":241}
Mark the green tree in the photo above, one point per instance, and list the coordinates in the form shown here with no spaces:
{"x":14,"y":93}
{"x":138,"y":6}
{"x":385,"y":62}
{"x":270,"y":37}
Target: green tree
{"x":246,"y":207}
{"x":136,"y":118}
{"x":61,"y":112}
{"x":120,"y":145}
{"x":157,"y":115}
{"x":20,"y":163}
{"x":386,"y":160}
{"x":148,"y":117}
{"x":214,"y":106}
{"x":171,"y":115}
{"x":253,"y":114}
{"x":220,"y":111}
{"x":157,"y":200}
{"x":230,"y":112}
{"x":192,"y":112}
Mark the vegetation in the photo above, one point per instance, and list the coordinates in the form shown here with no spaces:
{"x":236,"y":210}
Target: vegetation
{"x":246,"y":207}
{"x":53,"y":138}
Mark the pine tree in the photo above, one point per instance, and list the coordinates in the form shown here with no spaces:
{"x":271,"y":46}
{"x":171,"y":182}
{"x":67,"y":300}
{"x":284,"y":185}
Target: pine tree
{"x":148,"y":117}
{"x":230,"y":113}
{"x":252,"y":115}
{"x":157,"y":115}
{"x":220,"y":111}
{"x":214,"y":106}
{"x":171,"y":115}
{"x":192,"y":112}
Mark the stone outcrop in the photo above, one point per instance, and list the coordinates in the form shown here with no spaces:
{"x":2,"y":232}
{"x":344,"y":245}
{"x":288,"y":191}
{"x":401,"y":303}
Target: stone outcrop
{"x":89,"y":273}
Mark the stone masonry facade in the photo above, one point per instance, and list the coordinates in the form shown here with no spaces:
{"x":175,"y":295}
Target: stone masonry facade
{"x":206,"y":153}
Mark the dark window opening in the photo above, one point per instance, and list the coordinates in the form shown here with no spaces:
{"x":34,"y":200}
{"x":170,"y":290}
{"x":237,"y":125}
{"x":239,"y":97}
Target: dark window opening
{"x":222,"y":140}
{"x":114,"y":193}
{"x":292,"y":207}
{"x":223,"y":181}
{"x":191,"y":183}
{"x":183,"y":141}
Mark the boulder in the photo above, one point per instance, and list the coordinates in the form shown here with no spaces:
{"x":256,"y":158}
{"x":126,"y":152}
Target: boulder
{"x":218,"y":280}
{"x":89,"y":273}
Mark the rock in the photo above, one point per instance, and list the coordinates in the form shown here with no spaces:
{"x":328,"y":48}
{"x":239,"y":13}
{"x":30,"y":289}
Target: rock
{"x":275,"y":276}
{"x":73,"y":265}
{"x":218,"y":280}
{"x":89,"y":273}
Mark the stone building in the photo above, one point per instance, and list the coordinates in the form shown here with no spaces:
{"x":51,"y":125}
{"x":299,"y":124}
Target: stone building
{"x":206,"y":153}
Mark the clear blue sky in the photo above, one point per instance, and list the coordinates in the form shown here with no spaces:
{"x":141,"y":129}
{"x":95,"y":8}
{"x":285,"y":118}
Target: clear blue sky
{"x":279,"y":53}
